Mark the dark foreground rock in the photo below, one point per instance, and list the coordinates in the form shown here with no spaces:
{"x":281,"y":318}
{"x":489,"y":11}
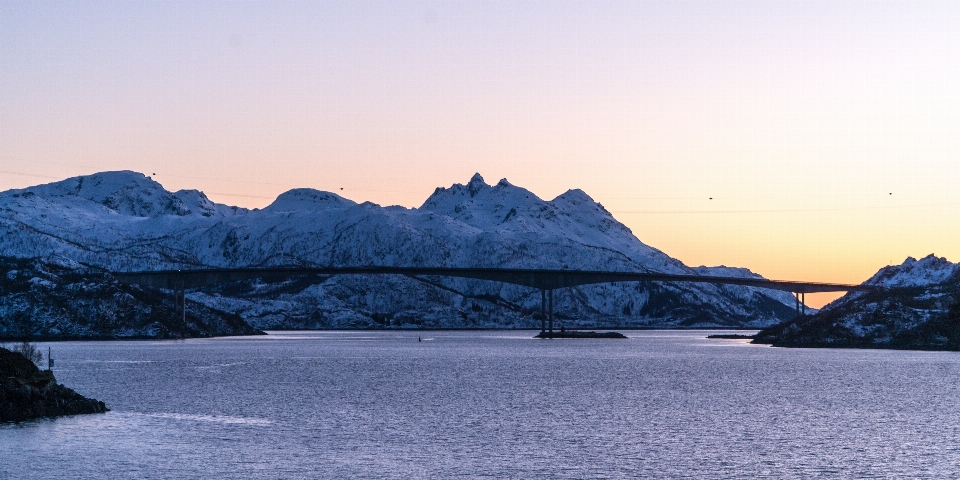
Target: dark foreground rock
{"x":895,"y":320}
{"x":915,"y":306}
{"x":46,"y":301}
{"x":577,"y":334}
{"x":26,"y":392}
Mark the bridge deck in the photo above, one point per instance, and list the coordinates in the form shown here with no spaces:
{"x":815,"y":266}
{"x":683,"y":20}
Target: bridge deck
{"x":536,"y":278}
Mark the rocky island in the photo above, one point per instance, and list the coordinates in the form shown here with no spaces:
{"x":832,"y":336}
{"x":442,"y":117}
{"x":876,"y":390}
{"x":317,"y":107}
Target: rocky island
{"x":26,"y":392}
{"x":579,"y":334}
{"x":915,"y":307}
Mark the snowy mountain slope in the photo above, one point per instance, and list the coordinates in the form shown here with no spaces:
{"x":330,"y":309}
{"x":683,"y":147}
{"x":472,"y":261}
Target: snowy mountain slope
{"x":928,"y":271}
{"x":45,"y":301}
{"x":126,"y":221}
{"x":917,"y":308}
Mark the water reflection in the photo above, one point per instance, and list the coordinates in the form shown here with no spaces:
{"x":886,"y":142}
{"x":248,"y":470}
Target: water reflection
{"x":500,"y":404}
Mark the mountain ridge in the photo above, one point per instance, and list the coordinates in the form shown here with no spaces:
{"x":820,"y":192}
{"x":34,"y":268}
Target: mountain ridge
{"x":126,"y":221}
{"x":917,"y":306}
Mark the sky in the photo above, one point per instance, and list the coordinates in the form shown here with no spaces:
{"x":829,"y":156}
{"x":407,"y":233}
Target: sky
{"x":805,"y":140}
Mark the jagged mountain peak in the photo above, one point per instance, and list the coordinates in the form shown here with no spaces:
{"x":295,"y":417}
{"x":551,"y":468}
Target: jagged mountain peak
{"x":725,"y":271}
{"x":480,"y":205}
{"x":478,"y":185}
{"x":576,"y":200}
{"x":477,"y":179}
{"x":99,"y":221}
{"x":474,"y":186}
{"x":126,"y":193}
{"x":916,"y":308}
{"x":102,"y":185}
{"x":308,"y":199}
{"x":197,"y":202}
{"x":574,"y":195}
{"x":507,"y":207}
{"x":478,"y":197}
{"x":929,"y":270}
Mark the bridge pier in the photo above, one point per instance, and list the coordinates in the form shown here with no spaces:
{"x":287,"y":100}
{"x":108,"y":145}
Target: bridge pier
{"x":551,"y":311}
{"x":543,"y":310}
{"x":180,"y":305}
{"x":180,"y":299}
{"x":546,"y":310}
{"x":801,"y":303}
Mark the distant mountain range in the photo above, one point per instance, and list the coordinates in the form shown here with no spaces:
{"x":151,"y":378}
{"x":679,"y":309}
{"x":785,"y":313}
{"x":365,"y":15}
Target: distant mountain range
{"x":123,"y":221}
{"x":917,"y":308}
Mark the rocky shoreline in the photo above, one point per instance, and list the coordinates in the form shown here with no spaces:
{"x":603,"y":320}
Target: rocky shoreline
{"x":26,"y":392}
{"x":911,"y":306}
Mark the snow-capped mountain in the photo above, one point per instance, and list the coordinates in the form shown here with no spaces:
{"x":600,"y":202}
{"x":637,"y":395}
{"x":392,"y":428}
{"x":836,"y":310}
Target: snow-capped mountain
{"x":915,"y":307}
{"x":928,"y":271}
{"x":124,"y":221}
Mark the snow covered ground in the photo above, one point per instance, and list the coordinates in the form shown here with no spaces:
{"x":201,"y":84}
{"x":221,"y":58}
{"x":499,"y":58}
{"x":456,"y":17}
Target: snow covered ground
{"x":125,"y":221}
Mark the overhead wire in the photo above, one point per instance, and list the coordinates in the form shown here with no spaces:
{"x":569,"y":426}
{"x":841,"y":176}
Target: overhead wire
{"x":193,"y":177}
{"x":625,"y":212}
{"x":787,"y":210}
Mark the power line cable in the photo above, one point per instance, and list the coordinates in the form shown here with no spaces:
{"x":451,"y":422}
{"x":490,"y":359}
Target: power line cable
{"x":785,"y":210}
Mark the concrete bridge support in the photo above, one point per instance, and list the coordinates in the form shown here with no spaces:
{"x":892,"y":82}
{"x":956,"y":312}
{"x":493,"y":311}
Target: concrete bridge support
{"x":543,"y":311}
{"x":546,"y":310}
{"x":180,"y":305}
{"x":180,"y":299}
{"x":550,"y":315}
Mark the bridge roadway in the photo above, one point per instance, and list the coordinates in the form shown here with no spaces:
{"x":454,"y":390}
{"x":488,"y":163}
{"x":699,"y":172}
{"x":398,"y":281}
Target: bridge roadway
{"x":543,"y":279}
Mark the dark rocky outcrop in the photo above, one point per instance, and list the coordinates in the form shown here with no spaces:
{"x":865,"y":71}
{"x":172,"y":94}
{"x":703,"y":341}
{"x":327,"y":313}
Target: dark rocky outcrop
{"x":916,"y":306}
{"x":904,"y":319}
{"x":46,"y":301}
{"x":26,"y":392}
{"x":579,"y":334}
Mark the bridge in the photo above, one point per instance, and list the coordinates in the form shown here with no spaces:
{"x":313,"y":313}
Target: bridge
{"x":544,"y":280}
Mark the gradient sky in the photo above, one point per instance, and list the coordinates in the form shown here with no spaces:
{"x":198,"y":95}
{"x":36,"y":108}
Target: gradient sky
{"x":826,"y":133}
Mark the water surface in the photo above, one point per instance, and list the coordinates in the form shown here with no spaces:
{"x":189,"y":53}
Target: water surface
{"x":493,"y":404}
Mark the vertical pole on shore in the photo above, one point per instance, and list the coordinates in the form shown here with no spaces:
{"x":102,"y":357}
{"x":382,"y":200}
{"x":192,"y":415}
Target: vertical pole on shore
{"x":551,"y":310}
{"x":543,"y":310}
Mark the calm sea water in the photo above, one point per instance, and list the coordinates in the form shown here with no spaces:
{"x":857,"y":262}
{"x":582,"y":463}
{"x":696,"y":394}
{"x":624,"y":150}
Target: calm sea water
{"x":493,"y":404}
